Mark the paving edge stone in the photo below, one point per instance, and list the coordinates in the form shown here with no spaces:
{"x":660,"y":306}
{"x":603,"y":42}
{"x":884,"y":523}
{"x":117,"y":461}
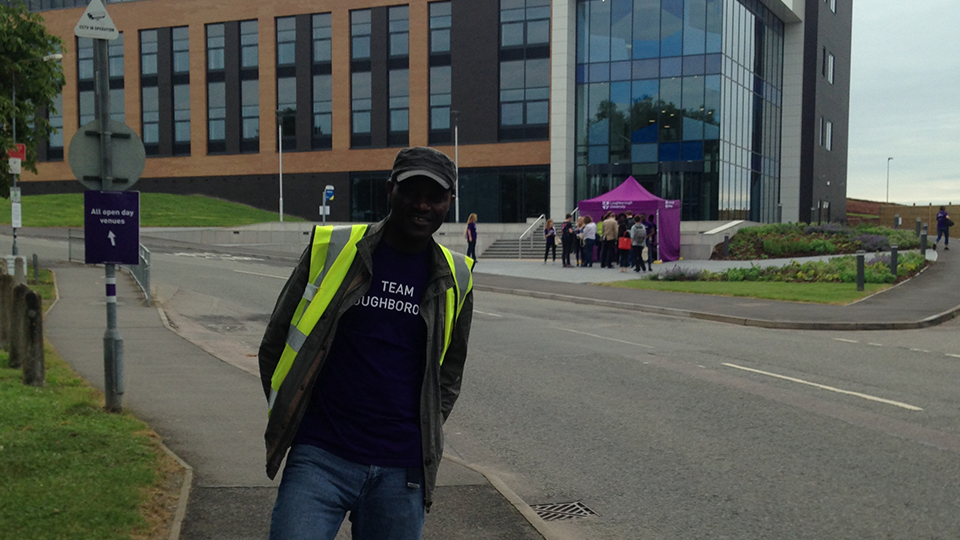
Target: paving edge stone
{"x":525,"y":510}
{"x":729,"y":319}
{"x":185,"y":489}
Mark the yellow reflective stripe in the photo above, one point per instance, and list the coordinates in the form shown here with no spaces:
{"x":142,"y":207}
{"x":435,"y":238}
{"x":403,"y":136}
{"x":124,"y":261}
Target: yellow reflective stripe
{"x":283,"y":367}
{"x":448,"y":312}
{"x":344,"y":246}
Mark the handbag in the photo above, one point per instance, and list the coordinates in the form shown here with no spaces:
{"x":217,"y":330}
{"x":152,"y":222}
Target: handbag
{"x":949,"y":222}
{"x":624,"y":243}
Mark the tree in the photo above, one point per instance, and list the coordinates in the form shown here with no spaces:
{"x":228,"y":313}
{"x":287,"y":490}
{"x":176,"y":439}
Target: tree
{"x":25,"y":47}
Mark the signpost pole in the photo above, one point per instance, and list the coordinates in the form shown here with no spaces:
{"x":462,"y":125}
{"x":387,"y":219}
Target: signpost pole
{"x":112,"y":342}
{"x":14,"y":144}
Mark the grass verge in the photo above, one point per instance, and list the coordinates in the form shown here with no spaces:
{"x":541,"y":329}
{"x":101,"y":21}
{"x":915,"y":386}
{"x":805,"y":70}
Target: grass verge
{"x":156,"y":210}
{"x":72,"y":470}
{"x":819,"y":293}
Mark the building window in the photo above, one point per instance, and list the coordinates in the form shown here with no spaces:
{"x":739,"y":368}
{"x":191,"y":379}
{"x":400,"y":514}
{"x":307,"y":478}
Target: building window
{"x":831,"y":62}
{"x":55,"y":146}
{"x":399,"y":28}
{"x":524,"y":22}
{"x":440,"y":89}
{"x":399,"y":90}
{"x":181,"y":119}
{"x":215,"y":44}
{"x":828,"y":135}
{"x":322,"y":129}
{"x":287,"y":105}
{"x":85,"y":82}
{"x":440,"y":22}
{"x":115,"y":52}
{"x":84,"y":59}
{"x":322,"y":33}
{"x":249,"y":49}
{"x":250,"y":111}
{"x":286,"y":41}
{"x":150,"y":119}
{"x":181,"y":50}
{"x":322,"y":111}
{"x":833,"y":5}
{"x":361,"y":105}
{"x":216,"y":117}
{"x":148,"y":52}
{"x":524,"y":92}
{"x":360,"y":29}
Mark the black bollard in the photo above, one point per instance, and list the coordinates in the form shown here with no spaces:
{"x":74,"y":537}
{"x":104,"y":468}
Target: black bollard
{"x":726,"y":246}
{"x":36,"y":270}
{"x":918,"y":227}
{"x":18,"y":326}
{"x":34,"y":368}
{"x":896,"y":221}
{"x":893,"y":260}
{"x":923,"y":244}
{"x":860,"y":254}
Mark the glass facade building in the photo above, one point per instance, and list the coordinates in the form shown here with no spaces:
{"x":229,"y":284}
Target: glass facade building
{"x":685,"y":96}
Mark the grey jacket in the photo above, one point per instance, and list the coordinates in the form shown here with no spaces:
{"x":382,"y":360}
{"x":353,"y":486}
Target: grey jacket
{"x":441,"y":384}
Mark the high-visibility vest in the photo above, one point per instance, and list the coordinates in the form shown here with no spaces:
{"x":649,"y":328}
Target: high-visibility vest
{"x":333,"y":251}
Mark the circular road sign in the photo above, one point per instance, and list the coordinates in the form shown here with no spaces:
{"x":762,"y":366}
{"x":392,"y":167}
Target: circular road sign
{"x":128,"y":156}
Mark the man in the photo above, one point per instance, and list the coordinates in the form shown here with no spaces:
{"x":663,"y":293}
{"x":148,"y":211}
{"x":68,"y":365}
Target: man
{"x":610,"y":230}
{"x":567,"y":238}
{"x":361,"y":364}
{"x":943,"y":228}
{"x":652,"y":253}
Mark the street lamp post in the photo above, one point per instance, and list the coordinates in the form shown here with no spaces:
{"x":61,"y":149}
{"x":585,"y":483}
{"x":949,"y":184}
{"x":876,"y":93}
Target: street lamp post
{"x":456,"y":164}
{"x":889,"y":159}
{"x":55,"y":57}
{"x":281,"y":115}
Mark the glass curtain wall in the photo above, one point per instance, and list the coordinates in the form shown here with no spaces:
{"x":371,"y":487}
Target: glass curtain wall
{"x":685,"y":96}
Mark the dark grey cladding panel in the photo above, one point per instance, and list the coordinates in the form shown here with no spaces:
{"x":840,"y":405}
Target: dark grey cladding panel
{"x":474,"y":49}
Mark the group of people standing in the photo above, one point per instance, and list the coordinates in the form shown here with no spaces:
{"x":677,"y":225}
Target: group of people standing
{"x":618,"y":236}
{"x":621,"y":237}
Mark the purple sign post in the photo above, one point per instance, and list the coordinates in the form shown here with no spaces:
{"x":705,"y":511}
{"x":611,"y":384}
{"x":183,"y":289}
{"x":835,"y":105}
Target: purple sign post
{"x":111,"y":227}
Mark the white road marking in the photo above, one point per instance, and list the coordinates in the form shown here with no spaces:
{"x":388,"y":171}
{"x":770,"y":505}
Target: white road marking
{"x":259,"y":274}
{"x":920,"y":350}
{"x":954,"y":355}
{"x":846,"y":340}
{"x":485,"y":313}
{"x":607,"y":338}
{"x":830,"y":388}
{"x":875,"y":344}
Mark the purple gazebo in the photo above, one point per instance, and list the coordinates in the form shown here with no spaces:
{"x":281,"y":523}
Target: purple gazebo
{"x":630,"y":195}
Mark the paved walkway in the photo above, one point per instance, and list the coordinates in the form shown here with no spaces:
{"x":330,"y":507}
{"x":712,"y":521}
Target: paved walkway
{"x":212,"y":414}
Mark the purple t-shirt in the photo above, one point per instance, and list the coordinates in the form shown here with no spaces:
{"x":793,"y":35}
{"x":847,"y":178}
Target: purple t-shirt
{"x":472,"y":227}
{"x":365,"y":406}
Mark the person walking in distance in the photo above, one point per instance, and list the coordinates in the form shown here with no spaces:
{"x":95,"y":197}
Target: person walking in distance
{"x":471,"y":234}
{"x":651,"y":240}
{"x":567,"y":238}
{"x":943,"y":228}
{"x":638,"y":236}
{"x":589,"y":238}
{"x":550,"y":235}
{"x":610,"y":230}
{"x":361,"y":364}
{"x":578,"y":240}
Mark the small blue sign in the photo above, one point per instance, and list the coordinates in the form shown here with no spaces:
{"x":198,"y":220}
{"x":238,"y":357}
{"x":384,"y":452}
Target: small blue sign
{"x":111,"y":227}
{"x":328,"y":194}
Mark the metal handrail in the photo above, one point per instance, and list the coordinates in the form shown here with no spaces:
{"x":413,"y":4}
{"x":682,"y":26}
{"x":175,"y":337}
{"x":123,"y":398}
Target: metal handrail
{"x":141,"y":273}
{"x":530,"y":229}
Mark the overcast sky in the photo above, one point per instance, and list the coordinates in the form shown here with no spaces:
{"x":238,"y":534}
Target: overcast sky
{"x":905,"y":101}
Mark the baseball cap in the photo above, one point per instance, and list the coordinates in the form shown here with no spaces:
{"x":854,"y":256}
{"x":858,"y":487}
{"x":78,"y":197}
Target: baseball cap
{"x":424,"y":161}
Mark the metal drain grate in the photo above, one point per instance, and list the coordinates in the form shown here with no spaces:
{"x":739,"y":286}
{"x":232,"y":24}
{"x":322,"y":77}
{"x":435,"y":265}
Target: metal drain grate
{"x":561,"y":511}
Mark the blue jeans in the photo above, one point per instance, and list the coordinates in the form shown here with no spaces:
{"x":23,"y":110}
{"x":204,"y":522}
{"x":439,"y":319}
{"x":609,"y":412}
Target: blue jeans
{"x":588,"y":252}
{"x":319,"y":488}
{"x":945,"y":232}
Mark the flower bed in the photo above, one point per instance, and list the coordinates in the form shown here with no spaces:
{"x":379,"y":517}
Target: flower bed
{"x":785,"y":240}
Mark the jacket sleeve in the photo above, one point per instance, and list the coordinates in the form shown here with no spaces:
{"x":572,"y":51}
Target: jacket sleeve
{"x":275,"y":337}
{"x":451,"y":372}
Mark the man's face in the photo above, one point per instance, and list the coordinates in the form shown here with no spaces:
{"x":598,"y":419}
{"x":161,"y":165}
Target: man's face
{"x":418,"y":206}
